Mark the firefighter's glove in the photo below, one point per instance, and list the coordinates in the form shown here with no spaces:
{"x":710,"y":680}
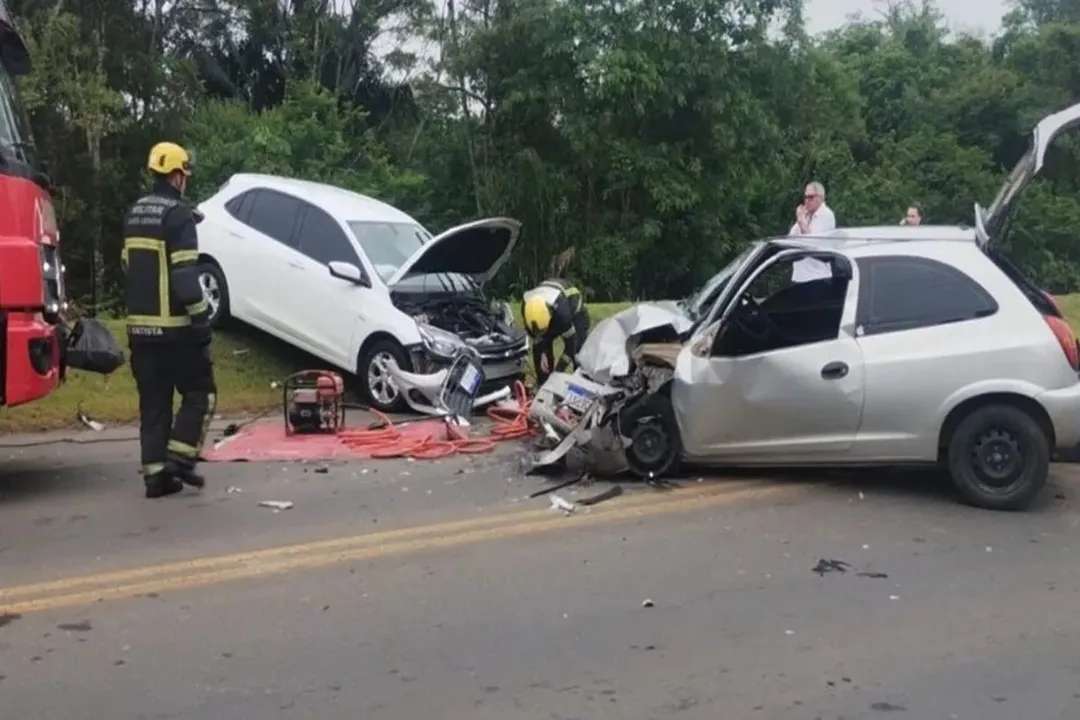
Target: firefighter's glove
{"x":201,"y":332}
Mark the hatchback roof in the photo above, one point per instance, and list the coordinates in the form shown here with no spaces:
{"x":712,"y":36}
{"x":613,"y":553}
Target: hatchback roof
{"x":345,"y":204}
{"x":900,"y":233}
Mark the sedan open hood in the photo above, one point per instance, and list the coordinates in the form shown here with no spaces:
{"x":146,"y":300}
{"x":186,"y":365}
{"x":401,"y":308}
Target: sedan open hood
{"x":989,"y":222}
{"x":477,"y":249}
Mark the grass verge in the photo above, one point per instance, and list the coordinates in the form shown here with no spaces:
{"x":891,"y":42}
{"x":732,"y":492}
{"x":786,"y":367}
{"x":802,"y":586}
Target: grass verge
{"x":246,"y":361}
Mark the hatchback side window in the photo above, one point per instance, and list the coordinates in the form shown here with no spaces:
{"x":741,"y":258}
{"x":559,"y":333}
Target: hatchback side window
{"x":902,"y":292}
{"x":323,"y":240}
{"x":240,"y":206}
{"x":275,"y":214}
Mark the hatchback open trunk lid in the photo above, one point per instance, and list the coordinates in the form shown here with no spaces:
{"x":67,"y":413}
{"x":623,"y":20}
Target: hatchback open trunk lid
{"x":989,"y":222}
{"x":477,"y":249}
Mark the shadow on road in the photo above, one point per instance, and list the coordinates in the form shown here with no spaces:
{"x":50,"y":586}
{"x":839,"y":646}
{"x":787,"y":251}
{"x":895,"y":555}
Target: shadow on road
{"x":911,"y":484}
{"x":30,"y":480}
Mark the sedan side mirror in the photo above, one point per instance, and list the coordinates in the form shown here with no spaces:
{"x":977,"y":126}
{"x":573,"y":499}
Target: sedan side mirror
{"x":348,"y":272}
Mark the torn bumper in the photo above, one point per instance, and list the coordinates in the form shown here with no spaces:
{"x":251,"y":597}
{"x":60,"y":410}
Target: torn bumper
{"x":433,"y":393}
{"x":576,"y":410}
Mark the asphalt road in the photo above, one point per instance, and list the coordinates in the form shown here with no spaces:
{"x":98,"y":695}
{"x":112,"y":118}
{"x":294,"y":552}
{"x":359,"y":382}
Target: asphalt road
{"x":413,"y":590}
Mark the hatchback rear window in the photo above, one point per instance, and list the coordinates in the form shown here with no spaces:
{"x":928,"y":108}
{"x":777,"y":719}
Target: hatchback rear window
{"x":1032,"y":292}
{"x":902,"y":292}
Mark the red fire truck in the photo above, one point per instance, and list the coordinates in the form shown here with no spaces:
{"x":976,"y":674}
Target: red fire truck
{"x":31,"y":275}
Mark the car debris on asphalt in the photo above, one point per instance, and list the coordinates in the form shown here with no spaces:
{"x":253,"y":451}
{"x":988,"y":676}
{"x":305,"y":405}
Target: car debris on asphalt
{"x":612,"y":492}
{"x":826,"y":566}
{"x":276,"y":505}
{"x":562,"y":504}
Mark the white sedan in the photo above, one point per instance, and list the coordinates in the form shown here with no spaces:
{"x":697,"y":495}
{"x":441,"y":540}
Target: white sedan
{"x":358,"y":283}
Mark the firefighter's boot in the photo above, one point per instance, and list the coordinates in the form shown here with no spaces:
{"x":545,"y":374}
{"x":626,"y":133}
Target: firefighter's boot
{"x":161,"y":484}
{"x":184,"y":472}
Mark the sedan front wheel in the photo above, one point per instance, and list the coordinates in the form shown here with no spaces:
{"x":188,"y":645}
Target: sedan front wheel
{"x":376,"y":380}
{"x":215,"y":291}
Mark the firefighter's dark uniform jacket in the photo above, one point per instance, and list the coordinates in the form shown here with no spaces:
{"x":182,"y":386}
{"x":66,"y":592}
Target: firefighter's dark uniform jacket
{"x":168,"y":329}
{"x":569,"y":321}
{"x":163,"y":297}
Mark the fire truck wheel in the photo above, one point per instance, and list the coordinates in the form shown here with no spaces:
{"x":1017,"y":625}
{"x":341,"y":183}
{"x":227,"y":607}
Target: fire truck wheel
{"x":216,"y":290}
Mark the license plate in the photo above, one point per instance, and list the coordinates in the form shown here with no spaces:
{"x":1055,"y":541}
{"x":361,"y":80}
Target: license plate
{"x":578,"y":393}
{"x":578,"y":397}
{"x":470,"y":380}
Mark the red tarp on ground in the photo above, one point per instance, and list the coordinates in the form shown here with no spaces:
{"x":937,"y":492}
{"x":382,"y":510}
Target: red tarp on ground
{"x":265,"y":441}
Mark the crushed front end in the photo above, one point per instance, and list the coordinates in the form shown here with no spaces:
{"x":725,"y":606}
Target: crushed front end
{"x":457,"y":327}
{"x":623,"y":425}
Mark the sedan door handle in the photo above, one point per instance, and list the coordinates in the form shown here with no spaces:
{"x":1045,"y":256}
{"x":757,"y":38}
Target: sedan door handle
{"x":296,"y":265}
{"x":834,"y":370}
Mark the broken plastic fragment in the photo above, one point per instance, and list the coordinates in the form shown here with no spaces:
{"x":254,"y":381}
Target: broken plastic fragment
{"x":558,"y":503}
{"x":646,"y":603}
{"x":276,"y":504}
{"x":92,"y":424}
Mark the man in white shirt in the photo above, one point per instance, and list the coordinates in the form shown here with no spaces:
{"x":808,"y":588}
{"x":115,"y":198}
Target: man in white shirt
{"x":813,"y":217}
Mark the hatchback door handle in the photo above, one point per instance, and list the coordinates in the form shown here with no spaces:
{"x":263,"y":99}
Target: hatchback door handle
{"x":834,"y":370}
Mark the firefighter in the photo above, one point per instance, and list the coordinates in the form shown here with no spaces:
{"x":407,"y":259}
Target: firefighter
{"x":555,"y":309}
{"x":168,"y":325}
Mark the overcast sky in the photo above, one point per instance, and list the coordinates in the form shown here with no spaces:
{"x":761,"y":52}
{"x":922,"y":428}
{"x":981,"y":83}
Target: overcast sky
{"x":978,"y":17}
{"x":975,"y":16}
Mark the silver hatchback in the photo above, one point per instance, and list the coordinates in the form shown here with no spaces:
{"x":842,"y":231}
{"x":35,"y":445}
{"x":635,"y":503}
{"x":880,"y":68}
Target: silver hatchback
{"x":911,"y":345}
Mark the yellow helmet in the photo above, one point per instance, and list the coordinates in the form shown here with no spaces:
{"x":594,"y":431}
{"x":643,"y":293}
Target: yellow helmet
{"x":537,"y":316}
{"x":167,"y":157}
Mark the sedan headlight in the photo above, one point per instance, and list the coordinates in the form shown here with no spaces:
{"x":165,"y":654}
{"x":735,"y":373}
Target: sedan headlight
{"x":440,"y":342}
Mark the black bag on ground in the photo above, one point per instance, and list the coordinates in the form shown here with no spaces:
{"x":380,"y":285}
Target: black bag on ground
{"x":91,"y":347}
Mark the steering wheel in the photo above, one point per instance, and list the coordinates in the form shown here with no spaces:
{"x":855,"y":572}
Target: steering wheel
{"x":750,"y":318}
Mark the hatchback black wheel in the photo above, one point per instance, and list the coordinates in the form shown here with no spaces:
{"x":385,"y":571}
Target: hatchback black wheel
{"x":655,"y":444}
{"x":999,"y":458}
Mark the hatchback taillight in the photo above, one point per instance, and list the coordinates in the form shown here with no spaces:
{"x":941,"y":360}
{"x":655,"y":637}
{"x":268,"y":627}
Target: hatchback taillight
{"x":1066,"y":339}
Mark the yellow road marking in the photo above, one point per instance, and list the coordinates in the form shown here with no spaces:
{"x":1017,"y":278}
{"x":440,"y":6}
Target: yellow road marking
{"x":84,"y":590}
{"x":322,"y":546}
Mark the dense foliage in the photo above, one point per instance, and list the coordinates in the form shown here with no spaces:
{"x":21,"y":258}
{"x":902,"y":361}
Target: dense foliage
{"x":653,"y":136}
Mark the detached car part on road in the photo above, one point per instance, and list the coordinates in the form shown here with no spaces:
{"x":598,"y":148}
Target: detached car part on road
{"x":361,"y":285}
{"x":924,"y":345}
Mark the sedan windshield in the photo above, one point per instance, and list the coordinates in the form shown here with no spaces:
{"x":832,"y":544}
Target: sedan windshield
{"x":389,"y":245}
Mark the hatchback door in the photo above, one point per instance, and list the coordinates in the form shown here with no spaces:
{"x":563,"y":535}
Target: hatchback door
{"x":991,"y":221}
{"x":799,"y":401}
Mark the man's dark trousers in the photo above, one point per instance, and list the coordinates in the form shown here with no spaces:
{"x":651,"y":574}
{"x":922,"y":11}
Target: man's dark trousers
{"x":160,"y":369}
